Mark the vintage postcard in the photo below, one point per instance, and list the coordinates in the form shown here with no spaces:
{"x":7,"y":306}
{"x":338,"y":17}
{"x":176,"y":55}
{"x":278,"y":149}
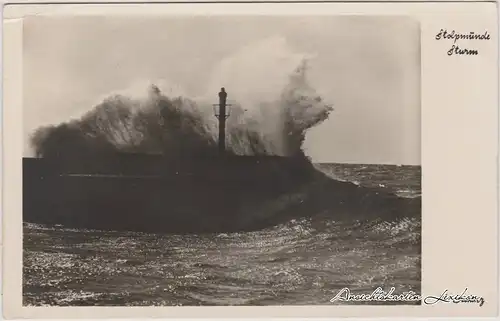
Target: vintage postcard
{"x":209,"y":160}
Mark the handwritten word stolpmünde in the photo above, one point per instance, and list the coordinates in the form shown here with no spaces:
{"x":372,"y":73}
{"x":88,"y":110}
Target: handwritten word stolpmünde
{"x":455,"y":49}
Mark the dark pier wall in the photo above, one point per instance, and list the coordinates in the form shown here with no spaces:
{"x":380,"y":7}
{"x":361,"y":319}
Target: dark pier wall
{"x":152,"y":194}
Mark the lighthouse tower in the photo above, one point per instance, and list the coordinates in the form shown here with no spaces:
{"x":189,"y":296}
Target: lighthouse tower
{"x":222,"y":112}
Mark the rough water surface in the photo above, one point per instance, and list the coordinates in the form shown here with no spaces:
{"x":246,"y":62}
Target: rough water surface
{"x":303,"y":262}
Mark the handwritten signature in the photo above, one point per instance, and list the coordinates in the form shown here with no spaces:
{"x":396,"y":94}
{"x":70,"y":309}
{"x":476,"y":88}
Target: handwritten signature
{"x":448,"y":297}
{"x":380,"y":295}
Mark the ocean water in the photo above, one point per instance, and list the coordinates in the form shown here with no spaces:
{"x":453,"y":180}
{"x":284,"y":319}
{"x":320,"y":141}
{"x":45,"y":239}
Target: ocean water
{"x":303,"y":262}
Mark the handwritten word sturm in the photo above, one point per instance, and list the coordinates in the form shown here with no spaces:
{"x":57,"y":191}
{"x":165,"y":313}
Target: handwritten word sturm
{"x":455,"y":49}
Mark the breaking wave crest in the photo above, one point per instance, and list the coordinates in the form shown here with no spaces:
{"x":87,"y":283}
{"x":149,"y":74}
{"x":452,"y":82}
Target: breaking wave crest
{"x":177,"y":126}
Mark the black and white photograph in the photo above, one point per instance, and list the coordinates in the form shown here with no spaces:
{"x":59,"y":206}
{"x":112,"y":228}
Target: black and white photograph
{"x":218,"y":160}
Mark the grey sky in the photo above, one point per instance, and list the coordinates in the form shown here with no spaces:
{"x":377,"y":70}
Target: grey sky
{"x":367,"y":67}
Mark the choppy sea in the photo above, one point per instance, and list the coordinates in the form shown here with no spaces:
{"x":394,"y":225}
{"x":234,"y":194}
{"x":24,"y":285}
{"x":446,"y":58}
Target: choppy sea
{"x":297,"y":263}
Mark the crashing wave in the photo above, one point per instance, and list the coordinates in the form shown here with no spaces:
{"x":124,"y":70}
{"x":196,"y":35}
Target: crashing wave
{"x":181,"y":126}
